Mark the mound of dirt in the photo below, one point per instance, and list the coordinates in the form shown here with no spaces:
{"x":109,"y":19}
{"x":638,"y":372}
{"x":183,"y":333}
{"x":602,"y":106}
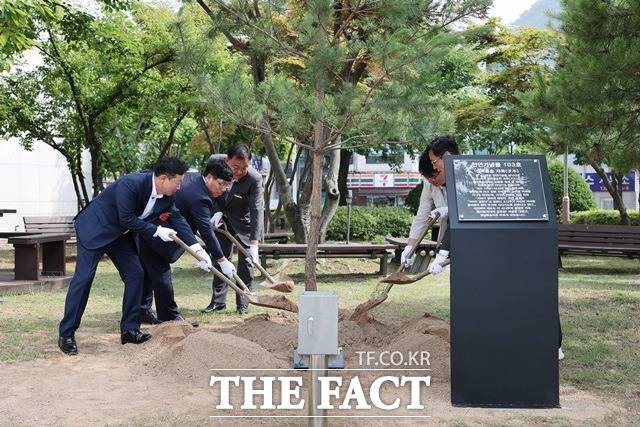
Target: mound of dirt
{"x":196,"y":356}
{"x":426,"y":334}
{"x":267,"y":341}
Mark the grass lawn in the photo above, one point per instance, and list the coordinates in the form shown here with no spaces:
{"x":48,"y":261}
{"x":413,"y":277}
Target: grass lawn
{"x":599,"y":306}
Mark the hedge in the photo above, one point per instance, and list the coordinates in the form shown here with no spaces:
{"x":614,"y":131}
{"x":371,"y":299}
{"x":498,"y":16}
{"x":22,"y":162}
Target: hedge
{"x":367,"y":223}
{"x":603,"y":217}
{"x":412,"y":201}
{"x":581,"y":196}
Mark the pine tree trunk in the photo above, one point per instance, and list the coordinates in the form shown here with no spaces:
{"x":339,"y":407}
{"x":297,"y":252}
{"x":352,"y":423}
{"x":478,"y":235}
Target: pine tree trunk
{"x":314,"y":217}
{"x":345,"y":161}
{"x":618,"y":204}
{"x":332,"y":194}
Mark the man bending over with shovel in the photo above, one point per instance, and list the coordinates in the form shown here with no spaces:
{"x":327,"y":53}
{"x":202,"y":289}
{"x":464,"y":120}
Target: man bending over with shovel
{"x":433,"y":199}
{"x":243,"y":210}
{"x":195,"y":203}
{"x":109,"y":225}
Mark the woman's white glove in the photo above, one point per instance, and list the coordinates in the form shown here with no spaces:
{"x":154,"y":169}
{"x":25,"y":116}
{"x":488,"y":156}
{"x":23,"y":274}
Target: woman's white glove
{"x":443,"y":211}
{"x":436,"y":266}
{"x":405,"y":259}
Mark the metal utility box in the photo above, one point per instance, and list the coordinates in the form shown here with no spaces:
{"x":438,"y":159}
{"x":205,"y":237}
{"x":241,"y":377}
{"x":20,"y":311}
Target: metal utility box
{"x":318,"y":323}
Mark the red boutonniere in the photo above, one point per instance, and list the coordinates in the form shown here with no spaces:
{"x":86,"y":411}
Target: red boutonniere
{"x":164,"y":216}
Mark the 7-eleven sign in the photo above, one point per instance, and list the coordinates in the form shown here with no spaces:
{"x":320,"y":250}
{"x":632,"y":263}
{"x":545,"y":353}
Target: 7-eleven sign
{"x":383,"y":180}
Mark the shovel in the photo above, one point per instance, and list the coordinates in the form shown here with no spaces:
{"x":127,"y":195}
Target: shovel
{"x":280,"y":302}
{"x":399,"y":276}
{"x":283,"y":283}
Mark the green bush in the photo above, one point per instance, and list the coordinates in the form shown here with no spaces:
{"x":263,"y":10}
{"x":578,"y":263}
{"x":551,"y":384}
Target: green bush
{"x":581,"y":196}
{"x":412,"y":201}
{"x":602,"y":217}
{"x":367,"y":223}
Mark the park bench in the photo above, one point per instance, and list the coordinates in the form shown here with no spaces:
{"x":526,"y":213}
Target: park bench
{"x":31,"y":249}
{"x":277,"y":237}
{"x":329,"y":250}
{"x":50,"y":225}
{"x":43,"y":241}
{"x":609,"y":240}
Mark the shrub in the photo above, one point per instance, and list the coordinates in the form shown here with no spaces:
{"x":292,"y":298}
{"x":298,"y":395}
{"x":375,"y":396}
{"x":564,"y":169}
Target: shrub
{"x":581,"y":195}
{"x":367,"y":223}
{"x":603,"y":217}
{"x":412,"y":201}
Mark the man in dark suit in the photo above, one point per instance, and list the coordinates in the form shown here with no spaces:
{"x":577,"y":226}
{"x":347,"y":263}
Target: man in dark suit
{"x":108,"y":225}
{"x":194,"y":201}
{"x":242,"y":208}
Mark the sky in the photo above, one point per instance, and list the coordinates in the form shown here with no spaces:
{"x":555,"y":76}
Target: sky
{"x":510,"y":10}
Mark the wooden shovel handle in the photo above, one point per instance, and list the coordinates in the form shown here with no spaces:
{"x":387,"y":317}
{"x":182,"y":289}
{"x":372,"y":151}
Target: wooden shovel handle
{"x":244,"y":251}
{"x":216,"y":273}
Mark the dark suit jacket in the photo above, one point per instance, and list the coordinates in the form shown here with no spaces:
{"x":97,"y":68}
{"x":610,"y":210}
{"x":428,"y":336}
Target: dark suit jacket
{"x":116,"y":210}
{"x":196,"y":205}
{"x":243,"y":206}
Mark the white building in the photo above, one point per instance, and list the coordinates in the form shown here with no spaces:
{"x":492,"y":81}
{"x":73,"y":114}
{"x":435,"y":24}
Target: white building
{"x":35,"y":182}
{"x":374,"y":183}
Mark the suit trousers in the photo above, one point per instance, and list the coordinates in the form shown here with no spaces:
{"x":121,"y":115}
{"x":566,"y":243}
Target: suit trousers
{"x":245,"y":272}
{"x":122,"y":252}
{"x":157,"y":281}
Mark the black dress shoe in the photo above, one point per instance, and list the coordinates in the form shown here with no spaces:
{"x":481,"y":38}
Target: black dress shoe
{"x":68,"y":345}
{"x":243,"y":310}
{"x":212,"y":308}
{"x":149,"y":318}
{"x":134,"y":336}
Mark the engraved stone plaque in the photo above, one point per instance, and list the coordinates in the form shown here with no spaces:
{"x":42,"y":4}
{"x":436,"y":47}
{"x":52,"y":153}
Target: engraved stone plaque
{"x":499,"y":190}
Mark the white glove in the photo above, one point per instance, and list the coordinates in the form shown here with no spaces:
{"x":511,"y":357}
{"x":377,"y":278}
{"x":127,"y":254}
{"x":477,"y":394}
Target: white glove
{"x":228,"y":269}
{"x":205,"y":260}
{"x":216,"y":219}
{"x":436,"y":266}
{"x":443,"y":211}
{"x":164,"y":233}
{"x":405,"y":260}
{"x":255,"y":256}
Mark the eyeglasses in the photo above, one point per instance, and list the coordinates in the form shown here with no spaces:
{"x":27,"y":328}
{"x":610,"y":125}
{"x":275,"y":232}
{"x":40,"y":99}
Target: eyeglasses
{"x":433,"y":162}
{"x":224,"y":184}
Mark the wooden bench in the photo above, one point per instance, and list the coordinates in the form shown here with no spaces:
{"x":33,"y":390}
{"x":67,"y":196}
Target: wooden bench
{"x":50,"y":224}
{"x":277,"y":237}
{"x":608,"y":240}
{"x":327,"y":250}
{"x":31,"y":249}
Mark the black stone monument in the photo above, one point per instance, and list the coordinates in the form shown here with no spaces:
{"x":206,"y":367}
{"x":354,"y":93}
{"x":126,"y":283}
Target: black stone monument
{"x":504,"y":282}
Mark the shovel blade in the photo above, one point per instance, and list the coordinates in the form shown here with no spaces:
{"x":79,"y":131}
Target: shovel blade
{"x":281,"y":283}
{"x":399,"y":278}
{"x":369,"y":305}
{"x":279,"y":302}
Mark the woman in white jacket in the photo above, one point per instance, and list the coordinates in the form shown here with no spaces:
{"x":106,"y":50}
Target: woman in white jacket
{"x":432,"y":199}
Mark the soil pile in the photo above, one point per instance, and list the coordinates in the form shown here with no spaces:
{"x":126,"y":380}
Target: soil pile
{"x":190,"y":354}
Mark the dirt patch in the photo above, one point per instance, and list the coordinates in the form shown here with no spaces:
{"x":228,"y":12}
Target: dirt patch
{"x":165,"y":381}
